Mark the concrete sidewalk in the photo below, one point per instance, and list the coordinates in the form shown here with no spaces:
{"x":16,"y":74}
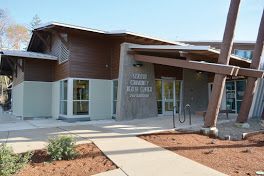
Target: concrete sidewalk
{"x":132,"y":155}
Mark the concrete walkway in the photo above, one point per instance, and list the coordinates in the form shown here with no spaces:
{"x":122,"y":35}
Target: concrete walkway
{"x":117,"y":140}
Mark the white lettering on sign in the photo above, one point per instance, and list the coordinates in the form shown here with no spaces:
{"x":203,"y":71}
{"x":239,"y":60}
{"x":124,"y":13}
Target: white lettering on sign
{"x":235,"y":77}
{"x":168,"y":78}
{"x":140,"y":76}
{"x":139,"y":85}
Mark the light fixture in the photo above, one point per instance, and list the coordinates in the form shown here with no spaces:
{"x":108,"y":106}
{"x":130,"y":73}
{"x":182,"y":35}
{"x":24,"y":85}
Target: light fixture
{"x":137,"y":64}
{"x":199,"y":71}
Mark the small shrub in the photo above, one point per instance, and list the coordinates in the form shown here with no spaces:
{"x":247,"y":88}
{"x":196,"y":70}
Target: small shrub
{"x":61,"y":148}
{"x":11,"y":163}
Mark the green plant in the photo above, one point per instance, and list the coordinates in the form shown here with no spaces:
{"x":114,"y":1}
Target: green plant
{"x":11,"y":163}
{"x":61,"y":148}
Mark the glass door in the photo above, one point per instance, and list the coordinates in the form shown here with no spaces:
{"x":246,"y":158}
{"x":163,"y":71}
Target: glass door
{"x":168,"y":97}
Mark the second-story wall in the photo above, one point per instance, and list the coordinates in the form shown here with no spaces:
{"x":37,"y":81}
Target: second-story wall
{"x":89,"y":57}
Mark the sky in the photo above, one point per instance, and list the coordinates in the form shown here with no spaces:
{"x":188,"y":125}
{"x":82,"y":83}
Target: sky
{"x":177,"y":20}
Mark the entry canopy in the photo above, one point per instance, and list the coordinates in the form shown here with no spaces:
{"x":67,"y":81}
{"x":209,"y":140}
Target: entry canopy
{"x":202,"y":58}
{"x":191,"y":49}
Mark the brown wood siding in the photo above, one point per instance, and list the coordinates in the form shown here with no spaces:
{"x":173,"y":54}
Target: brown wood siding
{"x":167,"y":71}
{"x":90,"y":57}
{"x":115,"y":57}
{"x":38,"y":70}
{"x":59,"y":71}
{"x":19,"y":78}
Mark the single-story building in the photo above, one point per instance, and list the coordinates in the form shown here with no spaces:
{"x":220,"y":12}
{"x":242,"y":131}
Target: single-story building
{"x":77,"y":73}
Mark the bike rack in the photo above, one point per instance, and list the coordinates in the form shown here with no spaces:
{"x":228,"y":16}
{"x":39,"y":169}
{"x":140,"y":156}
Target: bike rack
{"x":184,"y":115}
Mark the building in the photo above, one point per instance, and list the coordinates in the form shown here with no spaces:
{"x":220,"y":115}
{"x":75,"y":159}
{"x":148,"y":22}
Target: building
{"x":76,"y":73}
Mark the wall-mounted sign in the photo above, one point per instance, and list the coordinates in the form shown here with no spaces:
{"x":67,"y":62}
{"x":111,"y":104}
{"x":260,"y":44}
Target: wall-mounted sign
{"x":168,"y":78}
{"x":235,"y":77}
{"x":139,"y":86}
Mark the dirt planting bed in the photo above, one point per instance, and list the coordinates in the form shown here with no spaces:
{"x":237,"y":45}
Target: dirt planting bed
{"x":235,"y":158}
{"x":90,"y":161}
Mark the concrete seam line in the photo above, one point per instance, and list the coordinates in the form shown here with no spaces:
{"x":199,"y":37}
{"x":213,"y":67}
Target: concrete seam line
{"x":74,"y":134}
{"x":7,"y":136}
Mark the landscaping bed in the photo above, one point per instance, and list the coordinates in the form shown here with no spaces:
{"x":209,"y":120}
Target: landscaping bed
{"x":90,"y":161}
{"x":234,"y":158}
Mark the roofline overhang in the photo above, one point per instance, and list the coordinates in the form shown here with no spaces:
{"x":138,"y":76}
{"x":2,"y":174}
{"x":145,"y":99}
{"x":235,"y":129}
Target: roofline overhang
{"x":185,"y":49}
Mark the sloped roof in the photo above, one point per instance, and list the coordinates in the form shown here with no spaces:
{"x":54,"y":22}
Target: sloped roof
{"x":27,"y":54}
{"x":117,"y":32}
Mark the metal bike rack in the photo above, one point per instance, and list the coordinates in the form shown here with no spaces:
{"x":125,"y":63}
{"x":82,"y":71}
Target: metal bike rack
{"x":190,"y":113}
{"x":184,"y":115}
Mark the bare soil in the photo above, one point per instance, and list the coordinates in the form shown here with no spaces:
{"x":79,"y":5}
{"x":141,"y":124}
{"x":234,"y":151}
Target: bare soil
{"x":235,"y":158}
{"x":90,"y":161}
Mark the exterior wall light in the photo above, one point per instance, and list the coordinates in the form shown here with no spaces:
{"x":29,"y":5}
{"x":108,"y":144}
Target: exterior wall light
{"x":199,"y":71}
{"x":137,"y":64}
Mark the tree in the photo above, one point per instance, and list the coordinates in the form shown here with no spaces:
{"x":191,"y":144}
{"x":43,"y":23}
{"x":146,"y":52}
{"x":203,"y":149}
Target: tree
{"x":34,"y":23}
{"x":5,"y":21}
{"x":12,"y":35}
{"x":17,"y":36}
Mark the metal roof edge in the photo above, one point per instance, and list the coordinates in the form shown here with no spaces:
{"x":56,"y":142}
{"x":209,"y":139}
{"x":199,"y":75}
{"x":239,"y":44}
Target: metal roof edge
{"x":29,"y":54}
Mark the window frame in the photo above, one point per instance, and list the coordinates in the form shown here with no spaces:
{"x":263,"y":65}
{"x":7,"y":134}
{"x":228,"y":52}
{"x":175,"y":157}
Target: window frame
{"x":60,"y":99}
{"x":113,"y":100}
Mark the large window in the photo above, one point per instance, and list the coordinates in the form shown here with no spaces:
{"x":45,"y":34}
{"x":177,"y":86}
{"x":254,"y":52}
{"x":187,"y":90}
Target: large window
{"x":240,"y":89}
{"x":230,"y":96}
{"x":80,"y":97}
{"x":115,"y":86}
{"x":234,"y":94}
{"x":248,"y":54}
{"x":63,"y":97}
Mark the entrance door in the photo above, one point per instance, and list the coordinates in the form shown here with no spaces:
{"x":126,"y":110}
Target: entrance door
{"x":168,"y":97}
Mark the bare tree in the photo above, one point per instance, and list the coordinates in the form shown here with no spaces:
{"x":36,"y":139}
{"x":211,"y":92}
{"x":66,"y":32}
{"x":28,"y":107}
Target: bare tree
{"x":5,"y":21}
{"x":12,"y":35}
{"x":17,"y":36}
{"x":34,"y":23}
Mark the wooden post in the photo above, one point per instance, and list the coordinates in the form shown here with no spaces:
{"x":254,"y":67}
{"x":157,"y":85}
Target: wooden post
{"x":251,"y":81}
{"x":224,"y":57}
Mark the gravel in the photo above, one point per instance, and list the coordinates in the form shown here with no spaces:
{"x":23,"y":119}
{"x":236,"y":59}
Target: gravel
{"x":229,"y":129}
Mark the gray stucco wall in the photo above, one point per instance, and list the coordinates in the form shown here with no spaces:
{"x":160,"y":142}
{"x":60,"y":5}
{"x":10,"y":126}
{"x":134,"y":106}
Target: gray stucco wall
{"x":128,"y":106}
{"x":195,"y":90}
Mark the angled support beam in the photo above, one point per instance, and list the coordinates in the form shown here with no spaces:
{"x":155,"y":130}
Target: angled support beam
{"x":43,"y":40}
{"x":12,"y":66}
{"x":15,"y":61}
{"x":60,"y":37}
{"x":224,"y":57}
{"x":251,"y":81}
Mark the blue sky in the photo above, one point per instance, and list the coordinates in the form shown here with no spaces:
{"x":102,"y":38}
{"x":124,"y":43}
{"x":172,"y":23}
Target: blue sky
{"x":168,"y":19}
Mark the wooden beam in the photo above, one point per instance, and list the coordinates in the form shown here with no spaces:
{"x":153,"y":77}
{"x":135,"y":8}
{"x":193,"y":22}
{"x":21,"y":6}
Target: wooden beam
{"x":251,"y":72}
{"x":252,"y":81}
{"x":59,"y":36}
{"x":12,"y":66}
{"x":203,"y":66}
{"x":44,"y":41}
{"x":15,"y":61}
